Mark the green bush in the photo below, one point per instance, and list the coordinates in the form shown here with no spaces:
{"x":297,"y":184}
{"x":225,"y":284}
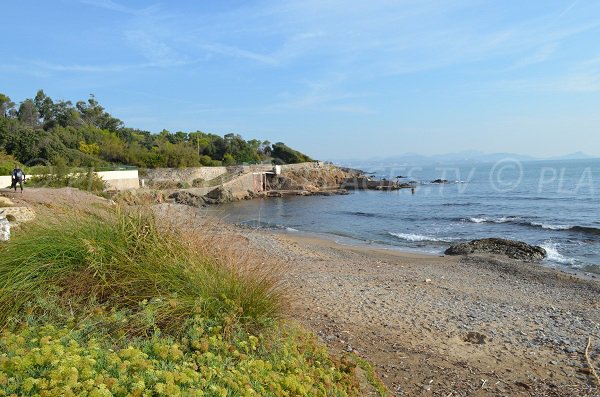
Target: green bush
{"x":7,"y":163}
{"x":88,"y":181}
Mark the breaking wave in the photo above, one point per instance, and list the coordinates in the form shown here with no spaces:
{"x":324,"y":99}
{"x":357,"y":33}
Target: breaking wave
{"x":417,"y":237}
{"x":553,"y":255}
{"x":552,"y":227}
{"x":519,"y":221}
{"x":504,"y":219}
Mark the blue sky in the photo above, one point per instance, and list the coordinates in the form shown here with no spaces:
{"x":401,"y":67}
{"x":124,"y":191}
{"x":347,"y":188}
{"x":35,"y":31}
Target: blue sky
{"x":336,"y":79}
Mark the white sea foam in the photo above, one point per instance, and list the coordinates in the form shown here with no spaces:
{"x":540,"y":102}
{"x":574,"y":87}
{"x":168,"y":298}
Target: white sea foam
{"x":484,"y":219}
{"x":478,"y":220}
{"x":290,"y":229}
{"x":518,"y":220}
{"x":553,"y":255}
{"x":415,"y":237}
{"x":552,"y":227}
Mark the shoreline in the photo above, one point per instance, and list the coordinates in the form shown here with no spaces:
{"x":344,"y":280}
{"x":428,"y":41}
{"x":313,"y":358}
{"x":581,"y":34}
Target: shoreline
{"x":351,"y":243}
{"x":433,"y":325}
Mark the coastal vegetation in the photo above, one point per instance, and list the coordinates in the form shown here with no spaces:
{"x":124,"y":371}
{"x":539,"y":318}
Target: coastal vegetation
{"x":116,"y":301}
{"x":42,"y":130}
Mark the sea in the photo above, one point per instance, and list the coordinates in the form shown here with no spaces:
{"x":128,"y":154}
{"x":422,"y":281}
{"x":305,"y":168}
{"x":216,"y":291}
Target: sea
{"x":553,"y":204}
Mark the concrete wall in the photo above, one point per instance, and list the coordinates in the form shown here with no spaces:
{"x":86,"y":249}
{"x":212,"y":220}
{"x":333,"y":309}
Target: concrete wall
{"x":5,"y":181}
{"x":121,"y":180}
{"x":206,"y":173}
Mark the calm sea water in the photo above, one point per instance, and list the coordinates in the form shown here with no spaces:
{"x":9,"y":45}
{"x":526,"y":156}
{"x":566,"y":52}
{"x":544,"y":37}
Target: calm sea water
{"x":554,"y":204}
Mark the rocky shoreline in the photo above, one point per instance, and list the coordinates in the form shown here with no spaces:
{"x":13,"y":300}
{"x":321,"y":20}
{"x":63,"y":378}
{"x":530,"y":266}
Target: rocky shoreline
{"x":227,"y":184}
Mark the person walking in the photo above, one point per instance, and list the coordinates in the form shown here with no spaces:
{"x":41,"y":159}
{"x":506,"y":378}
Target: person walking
{"x":18,"y":176}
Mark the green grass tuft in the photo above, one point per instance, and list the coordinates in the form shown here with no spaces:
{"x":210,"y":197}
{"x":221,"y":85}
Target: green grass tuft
{"x":117,"y":261}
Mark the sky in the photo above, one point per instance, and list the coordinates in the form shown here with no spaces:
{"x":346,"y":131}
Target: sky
{"x":334,"y":79}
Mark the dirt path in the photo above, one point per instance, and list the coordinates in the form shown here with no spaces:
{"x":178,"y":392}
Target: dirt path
{"x":53,"y":198}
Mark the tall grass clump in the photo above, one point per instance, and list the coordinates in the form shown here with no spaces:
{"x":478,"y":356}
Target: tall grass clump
{"x":65,"y":267}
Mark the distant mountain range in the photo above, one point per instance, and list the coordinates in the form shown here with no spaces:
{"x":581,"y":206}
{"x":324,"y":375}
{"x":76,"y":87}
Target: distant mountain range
{"x":469,"y":156}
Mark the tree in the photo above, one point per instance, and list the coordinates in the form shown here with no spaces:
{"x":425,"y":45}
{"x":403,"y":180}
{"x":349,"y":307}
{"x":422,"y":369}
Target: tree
{"x":112,"y":148}
{"x":44,"y":106}
{"x":65,"y":115}
{"x":228,"y":159}
{"x":28,"y":113}
{"x":85,"y":134}
{"x":265,"y":148}
{"x":287,"y":155}
{"x":92,"y":148}
{"x":94,"y":114}
{"x":6,"y":105}
{"x":25,"y":143}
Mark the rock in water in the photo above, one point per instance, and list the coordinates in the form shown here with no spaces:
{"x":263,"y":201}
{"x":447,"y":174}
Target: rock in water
{"x":511,"y":248}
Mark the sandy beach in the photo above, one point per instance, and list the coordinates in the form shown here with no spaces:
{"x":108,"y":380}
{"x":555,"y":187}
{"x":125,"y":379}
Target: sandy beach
{"x":444,"y":326}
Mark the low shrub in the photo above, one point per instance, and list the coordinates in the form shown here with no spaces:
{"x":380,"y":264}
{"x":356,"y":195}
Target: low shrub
{"x":52,"y":361}
{"x":87,"y":181}
{"x":163,"y":184}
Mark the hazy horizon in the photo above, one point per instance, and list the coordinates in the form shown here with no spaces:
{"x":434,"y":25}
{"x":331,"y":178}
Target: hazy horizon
{"x":332,"y":79}
{"x":470,"y":154}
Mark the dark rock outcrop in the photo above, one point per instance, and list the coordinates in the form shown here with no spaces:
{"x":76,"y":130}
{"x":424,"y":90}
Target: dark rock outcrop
{"x":511,"y":248}
{"x":440,"y":181}
{"x":187,"y":198}
{"x":219,"y":195}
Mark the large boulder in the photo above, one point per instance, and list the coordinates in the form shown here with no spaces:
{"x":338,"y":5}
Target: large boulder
{"x":187,"y":198}
{"x":511,"y":248}
{"x":219,"y":195}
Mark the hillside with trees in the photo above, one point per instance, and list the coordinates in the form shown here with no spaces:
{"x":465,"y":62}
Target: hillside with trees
{"x":41,"y":131}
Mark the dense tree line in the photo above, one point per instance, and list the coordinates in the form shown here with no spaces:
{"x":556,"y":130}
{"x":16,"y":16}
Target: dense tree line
{"x":83,"y":134}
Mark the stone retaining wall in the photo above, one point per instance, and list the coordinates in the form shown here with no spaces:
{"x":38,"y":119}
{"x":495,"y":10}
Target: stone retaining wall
{"x":183,"y":174}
